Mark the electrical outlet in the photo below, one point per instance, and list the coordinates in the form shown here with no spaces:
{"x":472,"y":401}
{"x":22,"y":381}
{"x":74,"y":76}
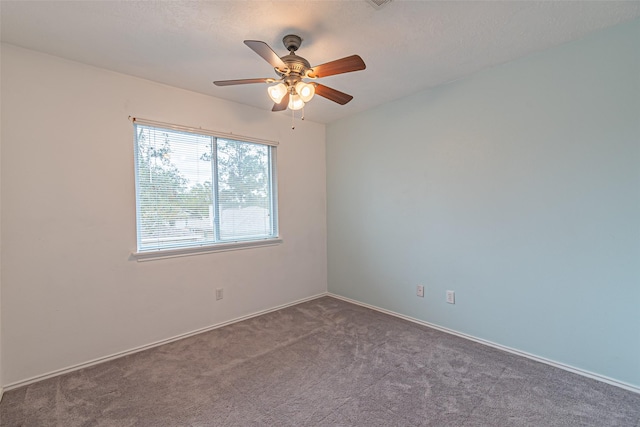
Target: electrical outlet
{"x":420,"y":291}
{"x":451,"y":297}
{"x":219,"y":293}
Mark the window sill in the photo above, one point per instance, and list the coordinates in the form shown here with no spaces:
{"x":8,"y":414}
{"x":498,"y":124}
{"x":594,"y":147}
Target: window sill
{"x":198,"y":250}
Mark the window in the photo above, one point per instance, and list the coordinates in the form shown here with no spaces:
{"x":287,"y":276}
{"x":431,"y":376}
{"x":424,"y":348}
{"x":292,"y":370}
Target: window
{"x":198,"y":190}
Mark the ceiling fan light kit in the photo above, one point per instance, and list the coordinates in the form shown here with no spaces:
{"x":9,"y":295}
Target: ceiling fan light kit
{"x":295,"y":103}
{"x":305,"y":90}
{"x":291,"y":91}
{"x":277,"y":92}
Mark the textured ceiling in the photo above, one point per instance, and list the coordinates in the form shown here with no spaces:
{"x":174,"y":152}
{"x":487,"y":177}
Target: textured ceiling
{"x":408,"y":46}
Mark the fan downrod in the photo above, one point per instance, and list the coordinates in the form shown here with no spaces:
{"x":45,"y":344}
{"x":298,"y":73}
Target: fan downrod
{"x":297,"y":66}
{"x":292,"y":42}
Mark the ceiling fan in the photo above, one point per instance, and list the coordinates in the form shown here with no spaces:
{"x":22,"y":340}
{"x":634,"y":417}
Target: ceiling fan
{"x":292,"y":90}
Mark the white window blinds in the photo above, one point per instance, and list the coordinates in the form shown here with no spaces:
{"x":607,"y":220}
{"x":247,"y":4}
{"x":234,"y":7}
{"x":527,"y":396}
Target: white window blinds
{"x":196,"y":189}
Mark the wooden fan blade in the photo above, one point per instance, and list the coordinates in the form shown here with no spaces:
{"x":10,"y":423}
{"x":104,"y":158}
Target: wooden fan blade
{"x":263,"y":49}
{"x":282,"y":105}
{"x":332,"y":94}
{"x":339,"y":66}
{"x":242,"y":82}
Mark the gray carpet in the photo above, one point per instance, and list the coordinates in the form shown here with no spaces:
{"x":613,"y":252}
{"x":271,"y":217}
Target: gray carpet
{"x":321,"y":363}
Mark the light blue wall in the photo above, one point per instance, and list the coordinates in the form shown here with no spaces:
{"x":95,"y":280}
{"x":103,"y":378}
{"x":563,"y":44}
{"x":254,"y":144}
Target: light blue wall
{"x":519,"y":188}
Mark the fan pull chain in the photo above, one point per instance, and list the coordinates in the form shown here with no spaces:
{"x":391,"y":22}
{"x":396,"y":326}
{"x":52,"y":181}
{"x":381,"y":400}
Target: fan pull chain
{"x":302,"y":118}
{"x":293,"y":118}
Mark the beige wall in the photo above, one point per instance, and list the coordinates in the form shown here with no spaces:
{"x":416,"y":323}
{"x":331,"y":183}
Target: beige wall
{"x":70,"y":292}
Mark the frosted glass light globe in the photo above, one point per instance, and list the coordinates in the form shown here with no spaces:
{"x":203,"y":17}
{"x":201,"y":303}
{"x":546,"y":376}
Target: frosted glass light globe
{"x":295,"y":102}
{"x":277,"y":92}
{"x":305,"y":91}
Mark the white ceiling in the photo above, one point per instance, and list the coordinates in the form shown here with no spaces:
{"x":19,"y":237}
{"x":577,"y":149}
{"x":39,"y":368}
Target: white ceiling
{"x":408,"y":46}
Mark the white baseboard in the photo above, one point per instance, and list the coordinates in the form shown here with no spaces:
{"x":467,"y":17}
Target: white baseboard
{"x":119,"y":354}
{"x":563,"y":366}
{"x":83,"y":365}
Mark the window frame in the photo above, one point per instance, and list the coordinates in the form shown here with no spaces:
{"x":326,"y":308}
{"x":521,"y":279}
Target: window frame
{"x":218,"y":245}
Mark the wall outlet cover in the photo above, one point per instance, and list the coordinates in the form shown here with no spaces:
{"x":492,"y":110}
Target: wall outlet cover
{"x":451,"y":297}
{"x":420,"y":291}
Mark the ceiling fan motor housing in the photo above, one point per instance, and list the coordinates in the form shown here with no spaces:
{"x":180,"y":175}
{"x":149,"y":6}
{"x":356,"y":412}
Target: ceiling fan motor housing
{"x":296,"y":65}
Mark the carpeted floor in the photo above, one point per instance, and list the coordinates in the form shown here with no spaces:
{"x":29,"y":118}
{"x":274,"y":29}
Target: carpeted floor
{"x":321,"y":363}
